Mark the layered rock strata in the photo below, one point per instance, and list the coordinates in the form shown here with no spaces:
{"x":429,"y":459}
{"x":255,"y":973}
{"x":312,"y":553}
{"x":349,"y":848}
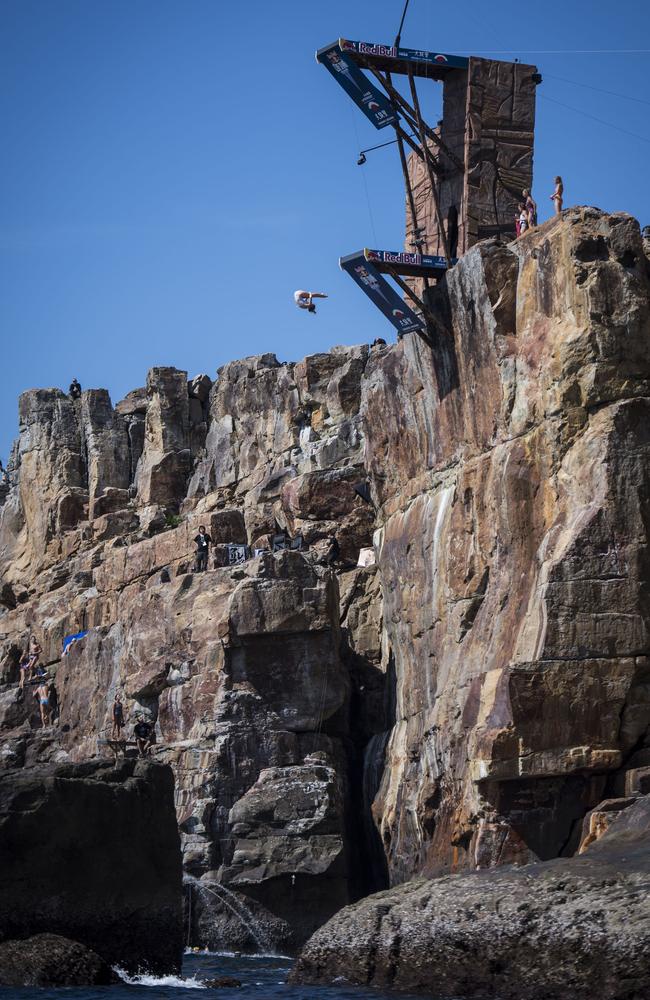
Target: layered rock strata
{"x":465,"y":695}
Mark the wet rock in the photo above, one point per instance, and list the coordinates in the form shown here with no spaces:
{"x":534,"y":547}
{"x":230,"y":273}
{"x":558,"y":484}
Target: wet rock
{"x":49,"y":960}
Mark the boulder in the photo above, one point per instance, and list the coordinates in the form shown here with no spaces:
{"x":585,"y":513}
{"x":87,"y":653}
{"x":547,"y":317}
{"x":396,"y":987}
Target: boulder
{"x":199,"y":387}
{"x":50,"y":960}
{"x":95,"y":857}
{"x":577,"y":927}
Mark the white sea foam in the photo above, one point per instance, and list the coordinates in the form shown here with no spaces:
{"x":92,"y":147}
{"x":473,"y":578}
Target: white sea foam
{"x":243,"y":955}
{"x":178,"y":982}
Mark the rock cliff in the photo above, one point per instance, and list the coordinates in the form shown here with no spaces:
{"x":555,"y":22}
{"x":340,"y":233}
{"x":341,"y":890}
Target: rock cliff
{"x":462,"y":696}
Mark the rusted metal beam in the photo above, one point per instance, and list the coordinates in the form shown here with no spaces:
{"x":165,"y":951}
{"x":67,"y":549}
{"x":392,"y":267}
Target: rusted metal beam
{"x":417,"y":301}
{"x":410,"y":114}
{"x":432,"y":179}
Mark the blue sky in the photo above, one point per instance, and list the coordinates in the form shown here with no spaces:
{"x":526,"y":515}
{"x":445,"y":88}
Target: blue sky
{"x":172,"y":170}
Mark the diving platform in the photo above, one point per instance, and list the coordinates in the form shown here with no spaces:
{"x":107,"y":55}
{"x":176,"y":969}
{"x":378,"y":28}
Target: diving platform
{"x":367,"y":268}
{"x":418,"y":62}
{"x":463,"y":174}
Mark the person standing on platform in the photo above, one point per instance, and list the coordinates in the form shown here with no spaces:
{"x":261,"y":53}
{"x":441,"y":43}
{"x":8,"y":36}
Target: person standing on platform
{"x":558,"y":195}
{"x":203,"y":541}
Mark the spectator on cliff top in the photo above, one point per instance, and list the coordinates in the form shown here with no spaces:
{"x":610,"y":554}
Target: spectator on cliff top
{"x":203,"y":541}
{"x":42,"y":693}
{"x":558,"y":195}
{"x":143,"y":732}
{"x":304,"y":299}
{"x":75,"y":389}
{"x":118,"y":717}
{"x":531,"y":207}
{"x":524,"y":223}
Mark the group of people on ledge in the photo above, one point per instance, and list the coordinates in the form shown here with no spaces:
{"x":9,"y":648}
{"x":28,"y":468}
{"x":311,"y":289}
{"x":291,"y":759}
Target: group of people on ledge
{"x":526,"y":216}
{"x":143,"y":730}
{"x":330,"y":555}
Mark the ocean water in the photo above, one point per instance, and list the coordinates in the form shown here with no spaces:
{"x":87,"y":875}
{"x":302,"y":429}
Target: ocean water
{"x":262,"y":977}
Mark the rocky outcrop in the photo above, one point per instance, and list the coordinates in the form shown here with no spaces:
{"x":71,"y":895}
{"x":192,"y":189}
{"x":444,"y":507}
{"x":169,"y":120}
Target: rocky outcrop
{"x":53,"y":961}
{"x":448,"y":668}
{"x":577,"y":927}
{"x":91,"y":852}
{"x":242,"y":668}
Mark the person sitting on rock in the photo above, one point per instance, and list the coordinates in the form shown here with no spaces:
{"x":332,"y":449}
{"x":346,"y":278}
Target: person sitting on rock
{"x":143,"y":732}
{"x":118,"y":717}
{"x":304,"y":299}
{"x":42,"y":693}
{"x":332,"y":552}
{"x":75,"y":389}
{"x":203,"y":541}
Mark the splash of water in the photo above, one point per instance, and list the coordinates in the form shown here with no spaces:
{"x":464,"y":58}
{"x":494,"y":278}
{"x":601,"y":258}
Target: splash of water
{"x":240,"y":910}
{"x":144,"y":979}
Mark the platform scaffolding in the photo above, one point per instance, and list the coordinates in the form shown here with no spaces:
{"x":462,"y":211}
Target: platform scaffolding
{"x":463,"y":178}
{"x":368,"y":267}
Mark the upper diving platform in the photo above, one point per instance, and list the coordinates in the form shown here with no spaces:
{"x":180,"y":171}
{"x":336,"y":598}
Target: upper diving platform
{"x":419,"y":62}
{"x":344,"y":59}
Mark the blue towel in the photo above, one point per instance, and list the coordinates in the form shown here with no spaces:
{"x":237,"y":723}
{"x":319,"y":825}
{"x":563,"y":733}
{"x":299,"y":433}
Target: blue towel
{"x":69,"y":638}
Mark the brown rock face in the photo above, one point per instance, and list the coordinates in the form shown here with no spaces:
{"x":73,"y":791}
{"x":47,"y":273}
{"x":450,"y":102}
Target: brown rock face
{"x":464,"y":699}
{"x":241,"y":668}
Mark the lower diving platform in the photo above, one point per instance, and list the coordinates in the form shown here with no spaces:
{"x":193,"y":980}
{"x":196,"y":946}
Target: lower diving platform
{"x":368,"y":267}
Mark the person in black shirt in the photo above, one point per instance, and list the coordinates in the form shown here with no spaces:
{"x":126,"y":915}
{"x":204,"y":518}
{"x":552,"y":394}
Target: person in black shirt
{"x":202,"y":540}
{"x":75,"y":389}
{"x":118,"y":717}
{"x":143,"y":736}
